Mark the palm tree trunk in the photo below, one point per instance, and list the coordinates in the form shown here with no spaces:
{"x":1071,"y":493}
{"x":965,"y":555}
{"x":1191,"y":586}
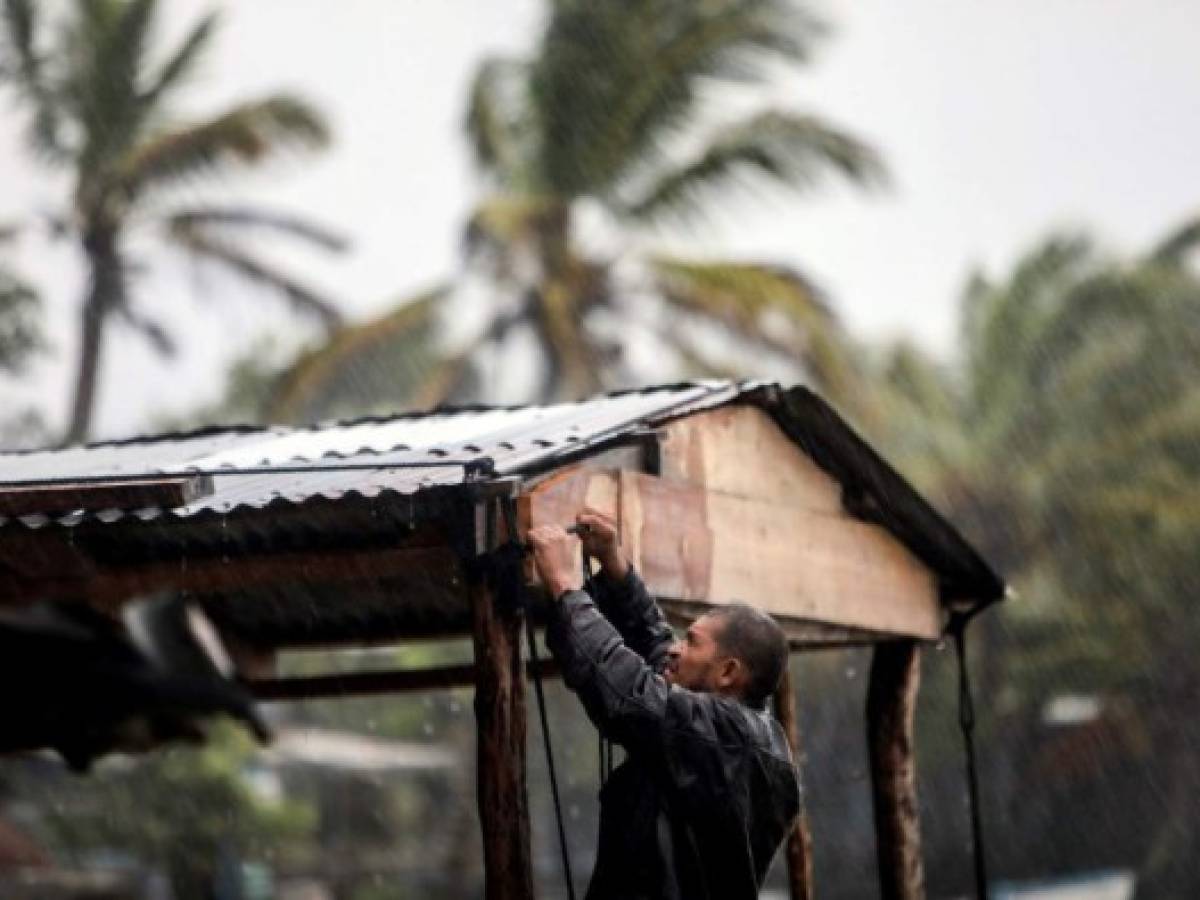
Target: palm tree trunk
{"x":106,"y":291}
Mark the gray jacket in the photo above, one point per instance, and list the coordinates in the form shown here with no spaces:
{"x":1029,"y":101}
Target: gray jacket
{"x":708,"y":790}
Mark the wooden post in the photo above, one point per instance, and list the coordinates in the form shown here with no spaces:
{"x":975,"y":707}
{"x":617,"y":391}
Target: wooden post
{"x":500,"y":719}
{"x":798,"y":849}
{"x":891,"y":704}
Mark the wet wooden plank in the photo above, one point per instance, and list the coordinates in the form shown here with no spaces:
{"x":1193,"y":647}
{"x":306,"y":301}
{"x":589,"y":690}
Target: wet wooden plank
{"x":739,"y":450}
{"x":691,"y":544}
{"x":56,"y":498}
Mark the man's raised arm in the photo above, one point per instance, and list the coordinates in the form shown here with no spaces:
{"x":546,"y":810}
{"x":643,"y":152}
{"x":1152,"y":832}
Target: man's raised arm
{"x":621,"y":595}
{"x":625,"y":698}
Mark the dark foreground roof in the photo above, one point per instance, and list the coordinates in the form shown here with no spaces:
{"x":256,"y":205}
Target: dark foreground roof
{"x":389,"y":466}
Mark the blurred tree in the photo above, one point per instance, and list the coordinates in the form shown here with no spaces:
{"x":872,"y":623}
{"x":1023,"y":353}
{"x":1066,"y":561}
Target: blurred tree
{"x":101,"y":110}
{"x":608,"y":121}
{"x":20,"y":339}
{"x":20,"y":326}
{"x":1068,"y":446}
{"x":185,"y":811}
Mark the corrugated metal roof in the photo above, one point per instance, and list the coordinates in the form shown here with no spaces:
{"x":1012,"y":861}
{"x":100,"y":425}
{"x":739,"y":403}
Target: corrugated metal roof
{"x":254,"y":467}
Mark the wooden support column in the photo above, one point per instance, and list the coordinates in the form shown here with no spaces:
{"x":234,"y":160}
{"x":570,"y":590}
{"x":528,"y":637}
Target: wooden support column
{"x":798,"y":849}
{"x":500,"y":774}
{"x":891,"y":705}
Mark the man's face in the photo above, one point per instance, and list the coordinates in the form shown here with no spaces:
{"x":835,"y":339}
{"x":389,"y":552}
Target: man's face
{"x":695,"y":661}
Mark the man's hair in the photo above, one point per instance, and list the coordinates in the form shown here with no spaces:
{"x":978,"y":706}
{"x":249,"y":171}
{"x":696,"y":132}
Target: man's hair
{"x":756,"y":639}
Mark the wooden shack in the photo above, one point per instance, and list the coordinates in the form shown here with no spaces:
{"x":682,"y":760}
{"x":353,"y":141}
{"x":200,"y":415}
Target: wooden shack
{"x":374,"y":531}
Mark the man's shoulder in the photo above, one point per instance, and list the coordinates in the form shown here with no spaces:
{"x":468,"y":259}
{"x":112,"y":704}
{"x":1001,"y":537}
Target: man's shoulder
{"x":726,"y":721}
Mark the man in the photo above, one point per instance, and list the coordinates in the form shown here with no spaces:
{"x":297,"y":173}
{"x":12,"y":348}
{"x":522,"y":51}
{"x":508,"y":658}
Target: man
{"x":708,"y":789}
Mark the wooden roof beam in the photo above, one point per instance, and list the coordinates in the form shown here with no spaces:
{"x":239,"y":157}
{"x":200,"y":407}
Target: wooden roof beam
{"x":358,"y":684}
{"x":110,"y":587}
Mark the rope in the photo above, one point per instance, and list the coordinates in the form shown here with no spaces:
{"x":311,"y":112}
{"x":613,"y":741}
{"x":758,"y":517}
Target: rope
{"x":966,"y":722}
{"x":510,"y":520}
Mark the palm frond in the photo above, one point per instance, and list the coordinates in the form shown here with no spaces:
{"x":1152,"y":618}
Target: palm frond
{"x":515,"y":236}
{"x":20,"y":323}
{"x":497,"y":121}
{"x":910,"y":373}
{"x":21,"y":63}
{"x":914,"y":415}
{"x":788,"y":150}
{"x":697,"y":362}
{"x":247,"y":134}
{"x":125,"y":51}
{"x":108,"y":45}
{"x":1115,"y":453}
{"x":233,"y":218}
{"x":1176,"y":246}
{"x":446,"y":373}
{"x":1105,"y":304}
{"x":312,"y":378}
{"x":235,"y":258}
{"x":508,"y":220}
{"x":1002,"y":324}
{"x":743,"y":297}
{"x":149,"y":328}
{"x":739,"y":294}
{"x":175,"y":70}
{"x":613,"y":80}
{"x":22,"y":66}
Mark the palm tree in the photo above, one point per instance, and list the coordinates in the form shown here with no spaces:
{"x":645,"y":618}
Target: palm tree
{"x":102,"y":111}
{"x":613,"y":118}
{"x":1069,"y":446}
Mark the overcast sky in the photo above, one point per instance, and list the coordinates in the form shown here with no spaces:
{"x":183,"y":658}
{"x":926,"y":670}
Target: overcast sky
{"x":1000,"y":122}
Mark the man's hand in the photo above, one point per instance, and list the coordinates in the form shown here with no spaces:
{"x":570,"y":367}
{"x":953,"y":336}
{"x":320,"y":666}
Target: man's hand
{"x":599,"y":535}
{"x":554,"y":557}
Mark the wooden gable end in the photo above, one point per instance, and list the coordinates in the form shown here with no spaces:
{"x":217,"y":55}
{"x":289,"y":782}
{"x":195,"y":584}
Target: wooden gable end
{"x":739,"y":512}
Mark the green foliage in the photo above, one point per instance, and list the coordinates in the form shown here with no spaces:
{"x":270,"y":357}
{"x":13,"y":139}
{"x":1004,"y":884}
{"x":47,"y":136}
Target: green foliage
{"x":1068,"y":445}
{"x":180,"y":810}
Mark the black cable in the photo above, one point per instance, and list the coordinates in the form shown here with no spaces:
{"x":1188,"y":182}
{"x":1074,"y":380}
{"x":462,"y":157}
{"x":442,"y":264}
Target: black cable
{"x":966,"y":721}
{"x":510,"y":519}
{"x":541,"y":702}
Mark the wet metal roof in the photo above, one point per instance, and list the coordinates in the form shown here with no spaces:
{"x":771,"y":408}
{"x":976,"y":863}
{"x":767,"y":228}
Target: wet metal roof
{"x":254,"y":467}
